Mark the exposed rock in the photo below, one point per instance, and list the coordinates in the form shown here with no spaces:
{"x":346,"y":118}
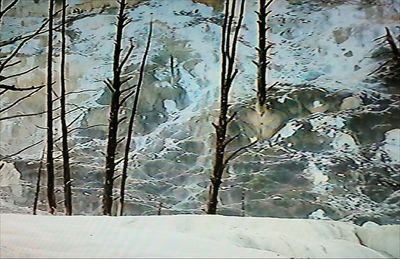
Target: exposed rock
{"x":216,"y":4}
{"x":10,"y":177}
{"x":341,"y":34}
{"x":348,"y":54}
{"x":351,"y":102}
{"x":311,"y":75}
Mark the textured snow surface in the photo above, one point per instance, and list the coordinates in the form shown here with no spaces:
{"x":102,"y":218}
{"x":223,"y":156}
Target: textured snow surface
{"x":191,"y":236}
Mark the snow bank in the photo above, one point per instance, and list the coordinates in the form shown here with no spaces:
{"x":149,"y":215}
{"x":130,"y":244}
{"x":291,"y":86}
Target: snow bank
{"x":381,"y":238}
{"x":189,"y":236}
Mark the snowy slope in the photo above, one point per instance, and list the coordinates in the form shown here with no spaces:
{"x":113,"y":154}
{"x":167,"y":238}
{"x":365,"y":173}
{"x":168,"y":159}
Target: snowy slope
{"x":336,"y":144}
{"x":190,"y":236}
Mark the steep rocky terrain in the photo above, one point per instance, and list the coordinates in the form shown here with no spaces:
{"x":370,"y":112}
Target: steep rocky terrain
{"x":329,"y":146}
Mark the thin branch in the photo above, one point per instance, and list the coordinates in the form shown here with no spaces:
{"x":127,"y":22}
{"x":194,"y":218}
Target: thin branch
{"x":82,"y":108}
{"x":18,"y":48}
{"x":22,"y":115}
{"x":30,"y":35}
{"x":20,"y":100}
{"x":272,"y":86}
{"x":226,"y":143}
{"x":116,"y":177}
{"x":14,"y":88}
{"x":109,"y":84}
{"x":18,"y":74}
{"x":122,"y":119}
{"x":224,"y":41}
{"x":231,"y":118}
{"x":22,"y":150}
{"x":8,"y":7}
{"x":13,"y":64}
{"x":126,"y":97}
{"x":231,"y":78}
{"x":237,"y":30}
{"x":74,"y":120}
{"x":128,"y":54}
{"x":236,"y":152}
{"x":379,"y":68}
{"x":229,"y":28}
{"x":87,"y":127}
{"x":119,"y":161}
{"x":129,"y":88}
{"x":214,"y":125}
{"x":120,"y":140}
{"x":68,"y":112}
{"x":125,"y":80}
{"x":81,"y":91}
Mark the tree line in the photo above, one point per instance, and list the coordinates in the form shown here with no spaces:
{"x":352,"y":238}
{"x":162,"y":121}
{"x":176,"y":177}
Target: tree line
{"x":234,"y":12}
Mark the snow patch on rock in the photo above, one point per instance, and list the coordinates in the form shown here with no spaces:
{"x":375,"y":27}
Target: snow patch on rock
{"x":392,"y":145}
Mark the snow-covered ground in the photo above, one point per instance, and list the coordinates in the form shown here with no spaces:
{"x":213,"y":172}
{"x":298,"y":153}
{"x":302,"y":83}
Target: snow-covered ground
{"x":192,"y":236}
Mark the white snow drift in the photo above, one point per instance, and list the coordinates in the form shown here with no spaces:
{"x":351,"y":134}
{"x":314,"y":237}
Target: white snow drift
{"x":191,"y":236}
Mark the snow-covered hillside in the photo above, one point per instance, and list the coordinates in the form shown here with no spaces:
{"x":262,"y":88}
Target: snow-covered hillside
{"x":329,"y":146}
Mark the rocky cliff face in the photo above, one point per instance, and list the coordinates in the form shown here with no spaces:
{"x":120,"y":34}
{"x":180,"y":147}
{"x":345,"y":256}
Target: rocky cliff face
{"x":328,"y":144}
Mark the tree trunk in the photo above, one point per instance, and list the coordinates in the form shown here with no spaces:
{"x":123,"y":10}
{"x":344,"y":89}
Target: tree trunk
{"x":50,"y":163}
{"x":159,"y":210}
{"x":132,"y":120}
{"x":218,"y":168}
{"x":114,"y":111}
{"x":37,"y":189}
{"x":64,"y":127}
{"x":228,"y":51}
{"x":262,"y":53}
{"x":110,"y":158}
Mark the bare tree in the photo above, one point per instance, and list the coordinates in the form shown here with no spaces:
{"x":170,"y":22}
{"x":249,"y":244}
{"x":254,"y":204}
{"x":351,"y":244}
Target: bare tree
{"x":262,"y":50}
{"x":8,"y":62}
{"x":116,"y":91}
{"x":49,"y":159}
{"x":64,"y":126}
{"x":228,"y":74}
{"x":132,"y":119}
